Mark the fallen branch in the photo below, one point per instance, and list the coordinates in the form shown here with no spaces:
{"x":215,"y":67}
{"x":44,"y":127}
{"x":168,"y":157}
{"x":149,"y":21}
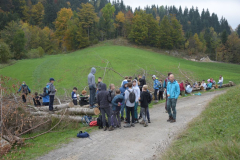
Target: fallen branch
{"x":49,"y":129}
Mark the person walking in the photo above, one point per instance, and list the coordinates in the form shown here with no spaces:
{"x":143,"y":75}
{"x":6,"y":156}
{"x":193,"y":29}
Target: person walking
{"x":25,"y":90}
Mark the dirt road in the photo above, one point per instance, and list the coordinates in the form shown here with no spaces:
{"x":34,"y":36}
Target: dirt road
{"x":138,"y":142}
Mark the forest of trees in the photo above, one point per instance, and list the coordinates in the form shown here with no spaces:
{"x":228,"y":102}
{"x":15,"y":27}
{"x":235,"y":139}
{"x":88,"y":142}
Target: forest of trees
{"x":32,"y":28}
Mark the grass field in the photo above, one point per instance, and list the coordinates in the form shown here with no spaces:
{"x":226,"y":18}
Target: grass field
{"x":72,"y":69}
{"x":215,"y":134}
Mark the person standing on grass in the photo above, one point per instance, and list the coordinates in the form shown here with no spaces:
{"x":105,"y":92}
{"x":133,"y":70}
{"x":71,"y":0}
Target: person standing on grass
{"x":145,"y":99}
{"x":155,"y":87}
{"x":92,"y":87}
{"x":74,"y":95}
{"x":173,"y":91}
{"x":160,"y":94}
{"x":165,"y":83}
{"x":103,"y":99}
{"x":25,"y":90}
{"x":137,"y":95}
{"x":52,"y":92}
{"x":130,"y":103}
{"x":123,"y":89}
{"x":220,"y":82}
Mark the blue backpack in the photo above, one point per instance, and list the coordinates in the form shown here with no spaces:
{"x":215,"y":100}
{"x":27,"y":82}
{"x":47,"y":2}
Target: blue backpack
{"x":82,"y":135}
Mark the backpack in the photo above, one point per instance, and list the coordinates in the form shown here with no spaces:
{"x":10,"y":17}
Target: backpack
{"x":93,"y":123}
{"x":25,"y":89}
{"x":87,"y":119}
{"x":132,"y":96}
{"x":82,"y":135}
{"x":99,"y":122}
{"x":46,"y":90}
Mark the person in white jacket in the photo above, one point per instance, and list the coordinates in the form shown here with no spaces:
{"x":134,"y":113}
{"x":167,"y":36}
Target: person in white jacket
{"x":137,"y":94}
{"x":220,"y":82}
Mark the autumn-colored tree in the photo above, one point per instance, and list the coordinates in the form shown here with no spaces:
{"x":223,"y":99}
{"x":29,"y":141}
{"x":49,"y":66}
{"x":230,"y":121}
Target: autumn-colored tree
{"x":63,"y":16}
{"x":19,"y":44}
{"x":177,"y":32}
{"x":128,"y":23}
{"x":120,"y":19}
{"x":194,"y":45}
{"x":37,"y":13}
{"x":153,"y":30}
{"x":87,"y":16}
{"x":165,"y":34}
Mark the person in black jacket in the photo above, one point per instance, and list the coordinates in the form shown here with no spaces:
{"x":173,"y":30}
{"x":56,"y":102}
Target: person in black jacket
{"x":145,"y":99}
{"x":103,"y":100}
{"x":142,"y":82}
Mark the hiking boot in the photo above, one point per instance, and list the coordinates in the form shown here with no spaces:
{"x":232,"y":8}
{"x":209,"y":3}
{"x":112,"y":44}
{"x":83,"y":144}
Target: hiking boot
{"x":104,"y":128}
{"x":111,"y":128}
{"x":173,"y":120}
{"x":136,"y":121}
{"x":127,"y":126}
{"x":122,"y":118}
{"x":149,"y":121}
{"x":119,"y":127}
{"x":140,"y":117}
{"x":142,"y":122}
{"x":145,"y":124}
{"x":133,"y":125}
{"x":169,"y":120}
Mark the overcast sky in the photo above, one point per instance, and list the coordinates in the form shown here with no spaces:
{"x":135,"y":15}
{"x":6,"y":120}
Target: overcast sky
{"x":230,"y":9}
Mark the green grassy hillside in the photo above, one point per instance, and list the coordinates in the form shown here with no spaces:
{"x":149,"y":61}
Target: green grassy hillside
{"x":72,"y":69}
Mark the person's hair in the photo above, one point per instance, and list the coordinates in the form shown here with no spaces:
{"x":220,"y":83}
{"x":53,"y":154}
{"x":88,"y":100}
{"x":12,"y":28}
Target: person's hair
{"x":129,"y":80}
{"x":145,"y":87}
{"x":74,"y":88}
{"x":24,"y":82}
{"x":100,"y":78}
{"x":84,"y":92}
{"x":130,"y":85}
{"x":126,"y":77}
{"x":160,"y":80}
{"x":130,"y":77}
{"x":118,"y":91}
{"x":110,"y":86}
{"x":36,"y":93}
{"x":169,"y":73}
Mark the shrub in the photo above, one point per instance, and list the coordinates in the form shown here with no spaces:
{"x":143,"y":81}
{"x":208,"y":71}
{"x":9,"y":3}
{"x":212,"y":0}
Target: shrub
{"x":35,"y":53}
{"x":5,"y":53}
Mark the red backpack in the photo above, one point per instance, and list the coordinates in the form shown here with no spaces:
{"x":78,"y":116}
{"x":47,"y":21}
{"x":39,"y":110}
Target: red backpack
{"x":93,"y":123}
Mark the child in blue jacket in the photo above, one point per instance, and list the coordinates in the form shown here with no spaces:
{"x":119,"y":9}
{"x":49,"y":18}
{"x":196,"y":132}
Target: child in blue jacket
{"x":116,"y":108}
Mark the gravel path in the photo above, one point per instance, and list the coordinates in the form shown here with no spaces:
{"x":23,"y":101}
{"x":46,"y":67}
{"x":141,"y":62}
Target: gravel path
{"x":137,"y":142}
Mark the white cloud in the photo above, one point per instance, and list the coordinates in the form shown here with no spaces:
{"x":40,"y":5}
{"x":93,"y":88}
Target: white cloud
{"x":228,"y":9}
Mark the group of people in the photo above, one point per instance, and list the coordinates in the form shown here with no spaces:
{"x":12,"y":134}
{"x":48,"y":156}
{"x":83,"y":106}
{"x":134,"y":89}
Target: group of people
{"x":132,"y":93}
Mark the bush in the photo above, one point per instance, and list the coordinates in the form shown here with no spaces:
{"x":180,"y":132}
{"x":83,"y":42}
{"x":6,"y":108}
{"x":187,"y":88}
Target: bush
{"x":35,"y":53}
{"x":5,"y":53}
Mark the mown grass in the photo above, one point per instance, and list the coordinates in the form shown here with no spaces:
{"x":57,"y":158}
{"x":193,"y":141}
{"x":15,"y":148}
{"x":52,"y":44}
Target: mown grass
{"x":71,"y":69}
{"x":215,"y":134}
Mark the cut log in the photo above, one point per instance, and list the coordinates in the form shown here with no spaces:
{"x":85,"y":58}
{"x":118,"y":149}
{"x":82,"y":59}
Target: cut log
{"x":73,"y":118}
{"x":55,"y":107}
{"x":5,"y":146}
{"x":80,"y":111}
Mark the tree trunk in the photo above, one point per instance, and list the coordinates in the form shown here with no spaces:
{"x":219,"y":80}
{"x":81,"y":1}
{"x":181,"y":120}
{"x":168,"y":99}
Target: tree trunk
{"x":55,"y":107}
{"x":4,"y":146}
{"x":80,"y":111}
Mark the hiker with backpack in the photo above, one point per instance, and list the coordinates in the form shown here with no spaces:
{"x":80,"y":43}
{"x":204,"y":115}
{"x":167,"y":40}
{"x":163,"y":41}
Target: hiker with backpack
{"x":92,"y":87}
{"x":123,"y":89}
{"x":103,"y":99}
{"x":25,"y":90}
{"x":165,"y":83}
{"x":145,"y":99}
{"x":130,"y":99}
{"x":50,"y":88}
{"x":45,"y":96}
{"x":36,"y":100}
{"x":116,"y":107}
{"x":155,"y":87}
{"x":173,"y":91}
{"x":137,"y":95}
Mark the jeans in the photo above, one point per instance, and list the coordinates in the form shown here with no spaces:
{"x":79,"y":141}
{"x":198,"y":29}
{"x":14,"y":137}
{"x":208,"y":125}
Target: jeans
{"x":155,"y":94}
{"x":220,"y":84}
{"x":130,"y":110}
{"x":51,"y":102}
{"x":103,"y":112}
{"x":116,"y":120}
{"x":166,"y":102}
{"x":160,"y":95}
{"x":144,"y":114}
{"x":171,"y":107}
{"x":92,"y":96}
{"x":148,"y":115}
{"x":135,"y":110}
{"x":122,"y":107}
